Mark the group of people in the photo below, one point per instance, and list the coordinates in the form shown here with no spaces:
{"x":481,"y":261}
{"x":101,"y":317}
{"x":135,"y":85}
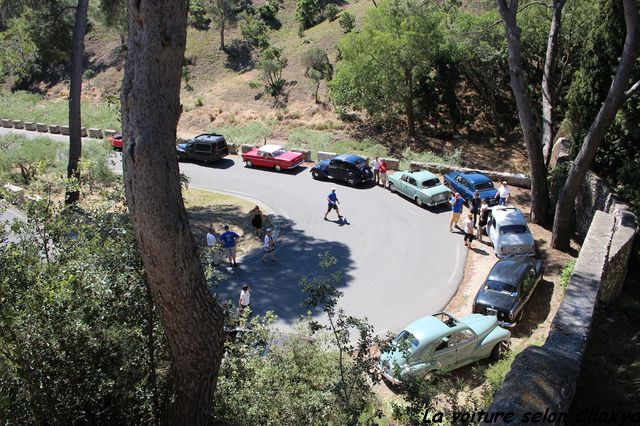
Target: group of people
{"x":478,"y":215}
{"x":379,"y":171}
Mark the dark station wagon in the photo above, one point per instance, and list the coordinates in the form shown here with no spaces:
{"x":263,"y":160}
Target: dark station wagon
{"x":207,"y":148}
{"x":466,"y":183}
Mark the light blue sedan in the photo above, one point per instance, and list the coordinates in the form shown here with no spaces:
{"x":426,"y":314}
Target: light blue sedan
{"x":442,"y":342}
{"x":423,"y":187}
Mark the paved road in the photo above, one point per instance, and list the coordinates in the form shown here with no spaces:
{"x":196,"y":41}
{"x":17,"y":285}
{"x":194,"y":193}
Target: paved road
{"x":398,"y":261}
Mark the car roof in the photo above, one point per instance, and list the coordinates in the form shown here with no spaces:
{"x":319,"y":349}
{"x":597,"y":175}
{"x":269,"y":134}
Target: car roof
{"x":349,"y":158}
{"x":510,"y":269}
{"x":421,"y":175}
{"x":428,"y":328}
{"x":210,"y":137}
{"x":269,"y":148}
{"x":474,"y":176}
{"x":508,"y":215}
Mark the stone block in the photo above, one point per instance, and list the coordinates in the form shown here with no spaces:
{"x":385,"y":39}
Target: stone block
{"x":95,"y":133}
{"x":560,"y":152}
{"x":233,"y":148}
{"x":54,"y":128}
{"x":42,"y":127}
{"x":18,"y":124}
{"x":244,"y":148}
{"x":305,"y":152}
{"x":109,"y":133}
{"x":64,"y":130}
{"x":415,"y":165}
{"x":15,"y":193}
{"x":7,"y":123}
{"x":392,"y":163}
{"x":30,"y":125}
{"x":325,"y":155}
{"x":83,"y":132}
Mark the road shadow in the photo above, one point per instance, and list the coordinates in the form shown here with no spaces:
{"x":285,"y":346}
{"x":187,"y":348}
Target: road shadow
{"x":293,"y":172}
{"x":480,"y":251}
{"x":367,"y":185}
{"x":222,"y":164}
{"x":340,"y":222}
{"x":536,"y":310}
{"x":275,"y":285}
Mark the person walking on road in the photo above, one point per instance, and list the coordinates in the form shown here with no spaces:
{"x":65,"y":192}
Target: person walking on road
{"x":456,"y":210}
{"x":383,"y":173}
{"x":504,"y":193}
{"x":229,"y":238}
{"x":474,"y":206}
{"x":257,"y":220}
{"x":245,"y":298}
{"x":468,"y":230}
{"x":484,"y":218}
{"x":332,"y":199}
{"x":375,"y":164}
{"x":269,"y":246}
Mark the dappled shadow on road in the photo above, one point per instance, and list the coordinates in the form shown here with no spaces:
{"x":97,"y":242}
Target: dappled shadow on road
{"x":224,"y":163}
{"x":275,"y":285}
{"x":293,"y":172}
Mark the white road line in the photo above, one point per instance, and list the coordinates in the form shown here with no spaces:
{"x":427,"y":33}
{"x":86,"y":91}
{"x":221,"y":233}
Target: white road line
{"x":455,"y":268}
{"x":239,"y":192}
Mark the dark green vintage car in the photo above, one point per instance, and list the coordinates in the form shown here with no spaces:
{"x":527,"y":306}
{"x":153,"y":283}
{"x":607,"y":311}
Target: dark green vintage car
{"x":423,"y":187}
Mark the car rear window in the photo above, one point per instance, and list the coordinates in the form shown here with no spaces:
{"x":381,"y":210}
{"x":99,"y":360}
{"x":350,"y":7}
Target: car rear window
{"x":513,"y":229}
{"x":204,"y":147}
{"x":406,"y":338}
{"x":484,"y":185}
{"x":220,"y":145}
{"x":500,"y":287}
{"x":360,"y":164}
{"x":430,"y":183}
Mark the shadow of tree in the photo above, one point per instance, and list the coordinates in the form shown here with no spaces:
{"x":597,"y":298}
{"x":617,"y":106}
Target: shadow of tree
{"x":536,"y":310}
{"x":239,"y":56}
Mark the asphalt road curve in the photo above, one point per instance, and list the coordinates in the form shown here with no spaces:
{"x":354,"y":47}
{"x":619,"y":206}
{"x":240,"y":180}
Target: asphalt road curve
{"x":398,"y":261}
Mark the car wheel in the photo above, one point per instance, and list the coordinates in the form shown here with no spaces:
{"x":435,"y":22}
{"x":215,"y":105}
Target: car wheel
{"x":278,"y":168}
{"x":315,"y":174}
{"x":351,"y":180}
{"x":419,"y":201}
{"x":391,"y":187}
{"x":249,"y":163}
{"x":497,"y":351}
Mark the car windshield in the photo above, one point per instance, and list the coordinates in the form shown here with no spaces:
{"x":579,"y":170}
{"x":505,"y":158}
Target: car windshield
{"x":430,"y":183}
{"x":278,"y":152}
{"x":484,"y":185}
{"x":406,"y":338}
{"x":500,"y":287}
{"x":360,"y":164}
{"x":512,"y":229}
{"x":446,"y":319}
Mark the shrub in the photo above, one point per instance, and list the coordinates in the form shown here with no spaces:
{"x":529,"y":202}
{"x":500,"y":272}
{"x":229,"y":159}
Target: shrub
{"x":308,"y":13}
{"x":565,"y":275}
{"x":199,"y":102}
{"x":331,"y":12}
{"x":347,"y":21}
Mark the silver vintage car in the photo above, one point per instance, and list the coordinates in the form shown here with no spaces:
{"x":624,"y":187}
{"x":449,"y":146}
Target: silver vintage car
{"x":509,"y":233}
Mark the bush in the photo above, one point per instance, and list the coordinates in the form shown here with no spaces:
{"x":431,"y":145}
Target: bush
{"x":451,"y":159}
{"x":331,"y":12}
{"x":347,"y":21}
{"x":565,"y":275}
{"x":22,"y":159}
{"x":308,"y":13}
{"x":249,"y":133}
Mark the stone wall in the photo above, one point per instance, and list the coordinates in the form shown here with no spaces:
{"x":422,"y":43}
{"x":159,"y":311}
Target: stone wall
{"x":544,"y":378}
{"x":515,"y":179}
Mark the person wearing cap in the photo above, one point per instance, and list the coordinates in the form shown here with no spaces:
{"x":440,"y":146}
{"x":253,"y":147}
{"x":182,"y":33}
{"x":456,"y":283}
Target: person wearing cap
{"x":269,"y":246}
{"x":229,"y":238}
{"x":332,"y":199}
{"x":503,"y":193}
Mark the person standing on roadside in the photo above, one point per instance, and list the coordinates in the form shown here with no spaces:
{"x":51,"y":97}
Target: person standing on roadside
{"x":468,"y":230}
{"x":245,"y":298}
{"x":456,"y":210}
{"x":484,"y":218}
{"x":269,"y":246}
{"x":504,"y":193}
{"x":257,"y":220}
{"x":375,"y":164}
{"x":474,"y":206}
{"x":212,"y":245}
{"x":229,"y":238}
{"x":383,"y":173}
{"x":333,"y":202}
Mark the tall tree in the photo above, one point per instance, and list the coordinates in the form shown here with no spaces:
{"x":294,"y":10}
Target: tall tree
{"x":540,"y":202}
{"x":75,"y":93}
{"x":317,"y":67}
{"x":150,"y":98}
{"x":223,"y":13}
{"x":619,"y":92}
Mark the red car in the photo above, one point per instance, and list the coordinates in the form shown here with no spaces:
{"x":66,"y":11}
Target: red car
{"x":273,"y":157}
{"x":116,"y":141}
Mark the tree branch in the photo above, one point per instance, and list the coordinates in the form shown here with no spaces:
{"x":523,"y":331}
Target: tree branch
{"x":632,"y":90}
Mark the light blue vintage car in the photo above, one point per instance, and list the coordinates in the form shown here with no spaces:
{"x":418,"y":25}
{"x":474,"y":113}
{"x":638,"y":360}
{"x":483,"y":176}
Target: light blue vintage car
{"x":423,"y":187}
{"x":442,"y":342}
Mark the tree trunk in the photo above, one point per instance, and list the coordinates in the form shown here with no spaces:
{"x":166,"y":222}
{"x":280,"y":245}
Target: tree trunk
{"x":408,"y":104}
{"x":598,"y":129}
{"x":150,"y":98}
{"x":221,"y":35}
{"x":531,"y":136}
{"x":548,"y":79}
{"x":317,"y":88}
{"x":75,"y":91}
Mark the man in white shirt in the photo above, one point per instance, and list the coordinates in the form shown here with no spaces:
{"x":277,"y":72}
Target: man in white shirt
{"x":376,"y":170}
{"x":211,"y":238}
{"x":245,"y":297}
{"x":503,"y":193}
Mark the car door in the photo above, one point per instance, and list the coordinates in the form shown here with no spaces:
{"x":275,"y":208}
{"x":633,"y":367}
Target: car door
{"x":402,"y":184}
{"x":528,"y":284}
{"x":265,"y":159}
{"x":464,"y":342}
{"x":412,"y":187}
{"x":336,"y":169}
{"x":463,"y":187}
{"x":444,"y":353}
{"x":492,"y":231}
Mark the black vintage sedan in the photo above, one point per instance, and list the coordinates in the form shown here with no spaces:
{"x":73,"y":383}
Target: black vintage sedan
{"x":508,"y":288}
{"x":350,"y":168}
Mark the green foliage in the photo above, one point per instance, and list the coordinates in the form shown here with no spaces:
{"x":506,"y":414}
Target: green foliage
{"x":267,"y":12}
{"x":248,"y":133}
{"x":18,"y":52}
{"x":80,"y":338}
{"x":565,"y":274}
{"x":186,"y":77}
{"x":331,"y":11}
{"x":198,"y":15}
{"x":309,"y":13}
{"x":95,"y":172}
{"x":317,"y":67}
{"x":347,"y":21}
{"x":451,"y":159}
{"x":556,"y":179}
{"x":198,"y":103}
{"x":271,"y":65}
{"x":22,"y":159}
{"x":254,"y":31}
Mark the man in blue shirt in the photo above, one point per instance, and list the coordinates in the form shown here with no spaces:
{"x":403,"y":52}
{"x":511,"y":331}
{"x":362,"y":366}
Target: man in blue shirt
{"x":229,"y":238}
{"x":456,"y":210}
{"x":332,"y":199}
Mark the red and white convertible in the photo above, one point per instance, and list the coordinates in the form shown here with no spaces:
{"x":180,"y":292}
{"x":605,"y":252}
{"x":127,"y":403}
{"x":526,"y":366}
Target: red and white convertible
{"x":273,"y":157}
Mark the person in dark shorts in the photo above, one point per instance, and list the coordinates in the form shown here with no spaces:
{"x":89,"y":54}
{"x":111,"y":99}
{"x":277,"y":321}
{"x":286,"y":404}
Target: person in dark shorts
{"x":474,"y":206}
{"x":484,"y":218}
{"x":468,"y":230}
{"x":257,"y":220}
{"x":332,"y":199}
